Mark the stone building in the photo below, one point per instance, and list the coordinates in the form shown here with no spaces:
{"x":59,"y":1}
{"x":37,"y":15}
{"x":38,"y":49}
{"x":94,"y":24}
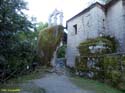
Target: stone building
{"x":108,"y":19}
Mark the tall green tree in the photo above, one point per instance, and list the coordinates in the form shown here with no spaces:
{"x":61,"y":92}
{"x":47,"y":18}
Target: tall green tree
{"x":15,"y":29}
{"x":12,"y":20}
{"x":41,"y":26}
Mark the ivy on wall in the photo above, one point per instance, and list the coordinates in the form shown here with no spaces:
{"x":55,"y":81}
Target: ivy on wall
{"x":101,"y":64}
{"x":48,"y":41}
{"x":86,"y":54}
{"x":109,"y":45}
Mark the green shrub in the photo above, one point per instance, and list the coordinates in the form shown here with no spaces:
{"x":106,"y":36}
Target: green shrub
{"x":109,"y":43}
{"x":107,"y":68}
{"x":115,"y":77}
{"x":81,"y":64}
{"x":115,"y":70}
{"x":121,"y":84}
{"x":23,"y":55}
{"x":85,"y":52}
{"x":111,"y":62}
{"x":61,"y":52}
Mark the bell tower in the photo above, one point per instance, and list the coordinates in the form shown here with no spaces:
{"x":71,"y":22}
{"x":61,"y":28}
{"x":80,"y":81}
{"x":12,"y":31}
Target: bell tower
{"x":53,"y":18}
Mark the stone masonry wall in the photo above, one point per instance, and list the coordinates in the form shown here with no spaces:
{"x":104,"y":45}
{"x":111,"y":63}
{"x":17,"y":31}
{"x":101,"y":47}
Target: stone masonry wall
{"x":95,"y":22}
{"x":89,"y":25}
{"x":115,"y":24}
{"x":123,"y":3}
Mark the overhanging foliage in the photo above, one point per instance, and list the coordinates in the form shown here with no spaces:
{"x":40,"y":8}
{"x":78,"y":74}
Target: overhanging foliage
{"x":17,"y":44}
{"x":48,"y":41}
{"x":109,"y":44}
{"x":102,"y":65}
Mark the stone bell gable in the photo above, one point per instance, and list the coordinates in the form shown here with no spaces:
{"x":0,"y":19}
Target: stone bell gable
{"x":53,"y":18}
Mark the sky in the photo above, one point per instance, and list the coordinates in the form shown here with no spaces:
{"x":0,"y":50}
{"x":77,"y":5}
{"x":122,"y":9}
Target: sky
{"x":41,"y":9}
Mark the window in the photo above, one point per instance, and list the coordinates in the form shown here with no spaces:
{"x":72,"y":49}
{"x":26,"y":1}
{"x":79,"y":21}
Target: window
{"x":75,"y":28}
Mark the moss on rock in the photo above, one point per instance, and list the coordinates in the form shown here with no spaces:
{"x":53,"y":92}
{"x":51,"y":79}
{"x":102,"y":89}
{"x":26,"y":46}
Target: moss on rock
{"x":48,"y":41}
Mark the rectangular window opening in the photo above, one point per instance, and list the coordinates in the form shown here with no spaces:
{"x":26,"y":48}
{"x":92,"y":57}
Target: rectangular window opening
{"x":75,"y":28}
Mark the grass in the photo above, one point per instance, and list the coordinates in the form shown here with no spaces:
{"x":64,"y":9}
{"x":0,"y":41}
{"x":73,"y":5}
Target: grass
{"x":38,"y":73}
{"x":96,"y":86}
{"x":29,"y":87}
{"x":24,"y":83}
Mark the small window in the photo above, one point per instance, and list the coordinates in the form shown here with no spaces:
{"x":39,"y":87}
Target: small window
{"x":75,"y":28}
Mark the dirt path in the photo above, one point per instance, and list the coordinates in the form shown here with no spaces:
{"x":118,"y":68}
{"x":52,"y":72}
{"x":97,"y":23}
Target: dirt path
{"x":54,"y":83}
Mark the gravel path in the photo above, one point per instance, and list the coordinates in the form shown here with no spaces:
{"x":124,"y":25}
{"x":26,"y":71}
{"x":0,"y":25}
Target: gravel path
{"x":54,"y":83}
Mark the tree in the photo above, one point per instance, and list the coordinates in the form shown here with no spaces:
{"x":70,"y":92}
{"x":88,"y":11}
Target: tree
{"x":12,"y":20}
{"x":14,"y":23}
{"x":41,"y":26}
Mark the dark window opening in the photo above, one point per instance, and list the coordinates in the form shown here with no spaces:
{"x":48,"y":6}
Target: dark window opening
{"x":75,"y":27}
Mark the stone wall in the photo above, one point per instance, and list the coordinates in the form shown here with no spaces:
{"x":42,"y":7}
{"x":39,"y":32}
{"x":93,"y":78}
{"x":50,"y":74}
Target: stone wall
{"x":123,"y":24}
{"x":94,"y":22}
{"x":88,"y":26}
{"x":115,"y":23}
